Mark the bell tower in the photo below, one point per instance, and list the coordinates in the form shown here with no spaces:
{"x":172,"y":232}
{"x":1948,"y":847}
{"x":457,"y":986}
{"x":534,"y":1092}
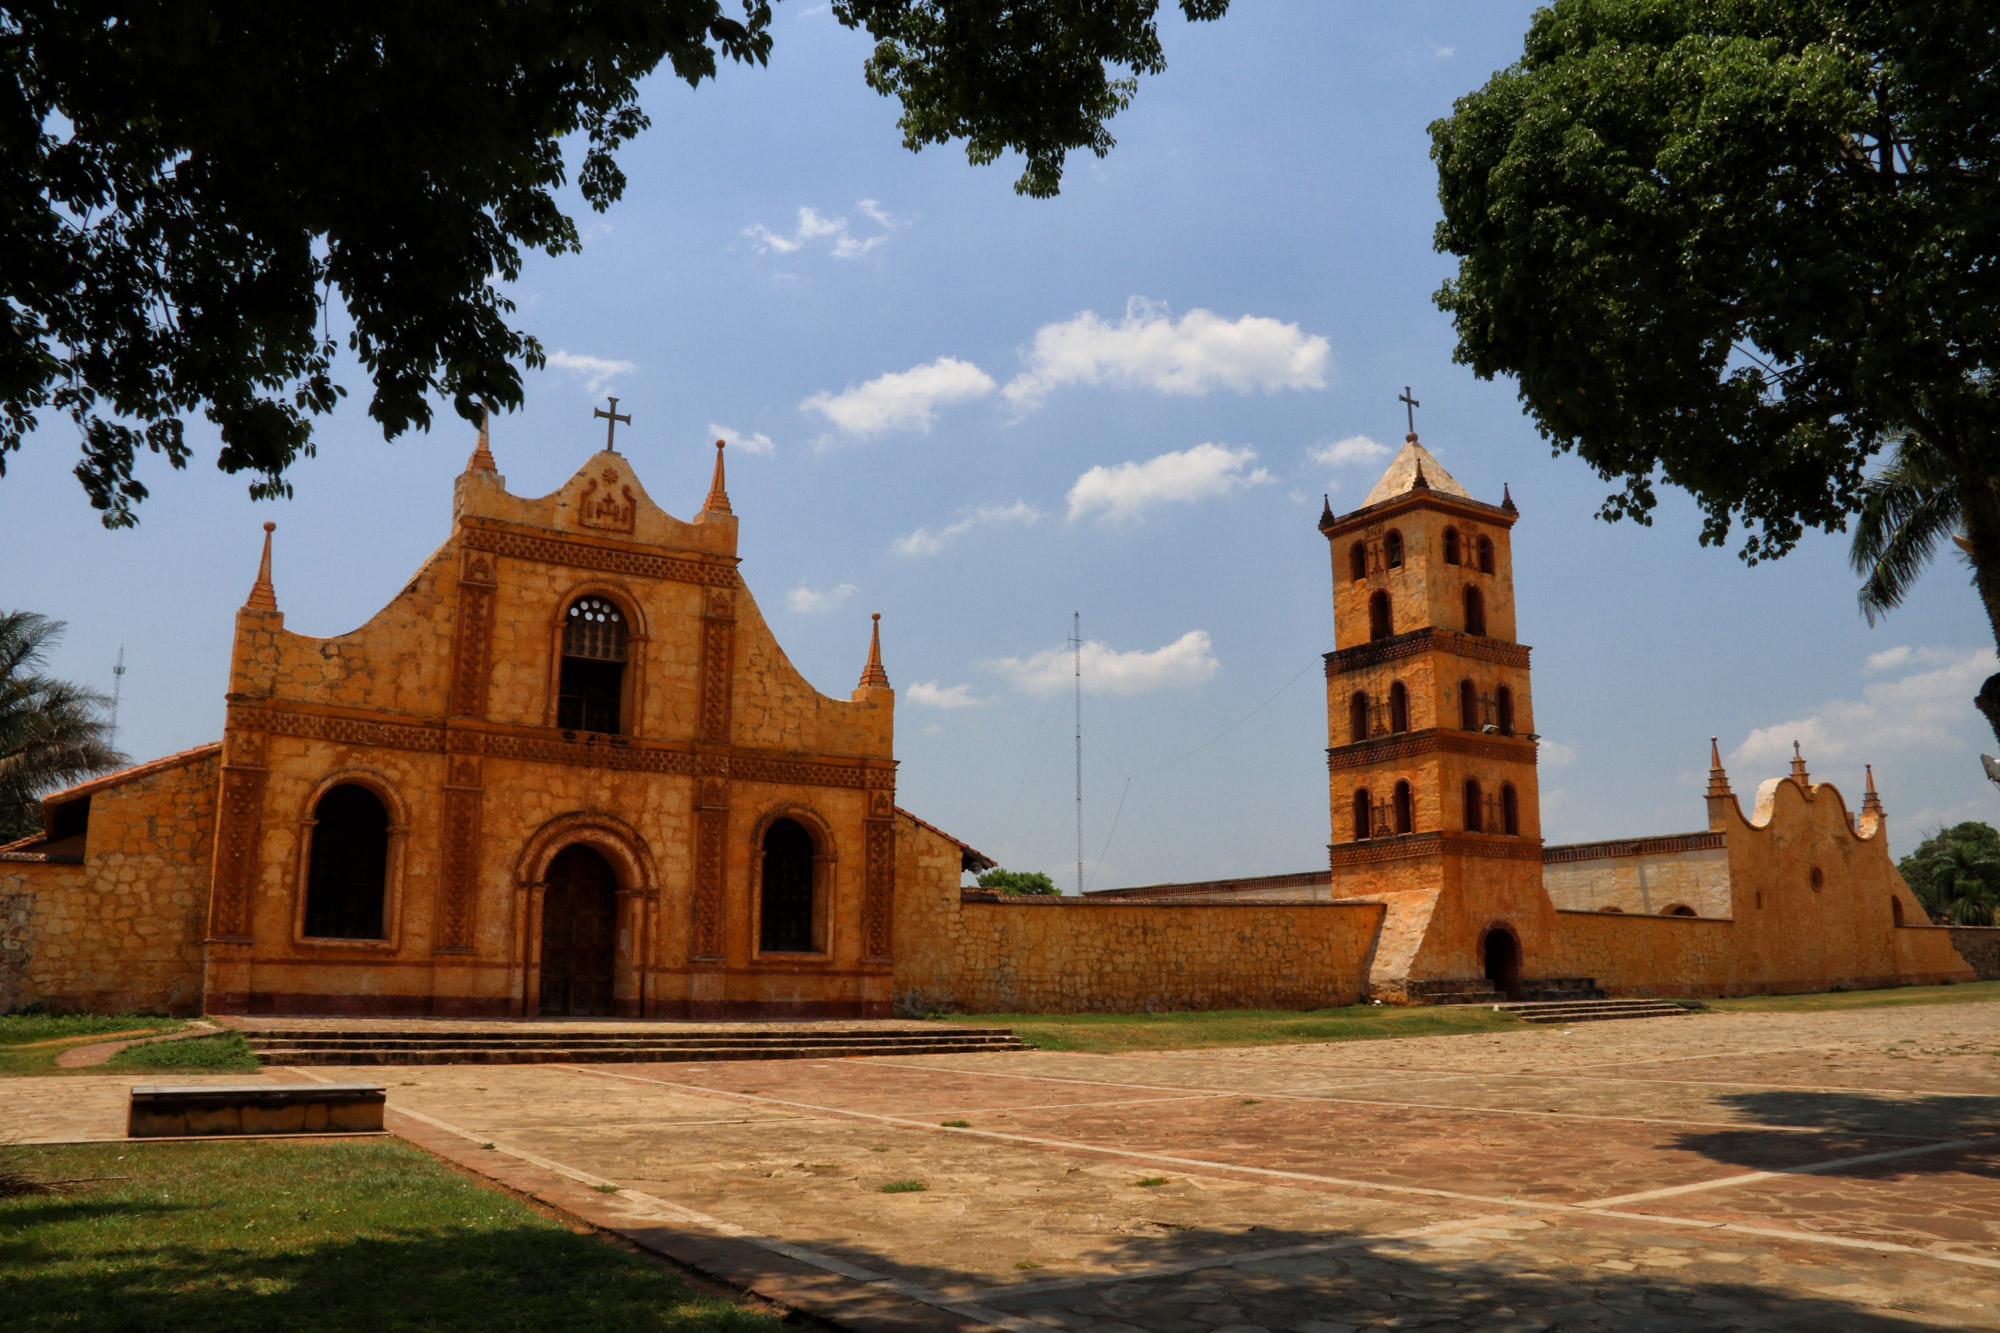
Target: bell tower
{"x":1430,"y":735}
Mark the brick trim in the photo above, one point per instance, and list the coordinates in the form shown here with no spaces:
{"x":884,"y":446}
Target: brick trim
{"x":1405,"y":846}
{"x":553,"y":549}
{"x":1410,"y":744}
{"x":1416,"y":642}
{"x":1665,"y":843}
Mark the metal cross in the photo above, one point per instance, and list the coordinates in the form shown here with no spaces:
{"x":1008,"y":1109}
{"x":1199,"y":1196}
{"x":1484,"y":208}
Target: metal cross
{"x":1410,"y":406}
{"x":612,"y":418}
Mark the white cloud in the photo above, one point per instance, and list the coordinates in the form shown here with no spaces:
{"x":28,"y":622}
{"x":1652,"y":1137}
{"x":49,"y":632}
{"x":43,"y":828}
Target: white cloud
{"x":1184,"y":662}
{"x":902,"y":400}
{"x":808,"y":602}
{"x":749,"y":442}
{"x":1150,"y":349}
{"x":1200,"y":473}
{"x":926,"y":542}
{"x":1927,"y":704}
{"x":1353,"y":449}
{"x":1554,"y":754}
{"x":596,"y":372}
{"x":930,"y":694}
{"x":815,"y":227}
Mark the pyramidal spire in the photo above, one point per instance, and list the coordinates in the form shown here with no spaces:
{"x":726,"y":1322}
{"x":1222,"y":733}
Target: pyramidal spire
{"x":718,"y":498}
{"x":1871,"y":804}
{"x":1799,"y":769}
{"x":263,"y":597}
{"x":872,"y":675}
{"x":1418,"y":483}
{"x":1507,"y":500}
{"x":1718,"y":781}
{"x":482,"y":453}
{"x":1325,"y":511}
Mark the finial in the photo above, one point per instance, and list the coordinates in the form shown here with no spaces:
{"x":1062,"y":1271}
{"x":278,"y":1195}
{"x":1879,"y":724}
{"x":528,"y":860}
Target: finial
{"x":482,"y":453}
{"x":1410,"y":406}
{"x":1718,"y":781}
{"x":263,"y":597}
{"x":718,"y":498}
{"x":1419,"y":484}
{"x":1507,"y":500}
{"x":1871,"y":804}
{"x":873,"y":675}
{"x":1325,"y":511}
{"x":1799,"y":769}
{"x":612,"y":419}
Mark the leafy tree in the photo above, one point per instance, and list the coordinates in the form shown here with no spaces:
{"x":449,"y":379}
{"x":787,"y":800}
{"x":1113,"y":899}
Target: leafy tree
{"x":189,"y":189}
{"x":1739,"y":247}
{"x":51,"y":731}
{"x":1018,"y":881}
{"x":1955,"y":874}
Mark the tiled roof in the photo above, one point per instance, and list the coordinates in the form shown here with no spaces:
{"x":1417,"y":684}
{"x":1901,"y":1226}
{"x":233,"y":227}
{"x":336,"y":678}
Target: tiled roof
{"x":137,"y":771}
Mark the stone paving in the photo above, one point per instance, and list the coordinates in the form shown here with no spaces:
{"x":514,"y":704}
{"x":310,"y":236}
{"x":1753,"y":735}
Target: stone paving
{"x":1828,"y":1171}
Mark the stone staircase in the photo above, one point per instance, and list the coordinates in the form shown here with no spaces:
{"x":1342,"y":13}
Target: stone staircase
{"x":1594,"y":1010}
{"x":501,"y":1046}
{"x":1479,"y":990}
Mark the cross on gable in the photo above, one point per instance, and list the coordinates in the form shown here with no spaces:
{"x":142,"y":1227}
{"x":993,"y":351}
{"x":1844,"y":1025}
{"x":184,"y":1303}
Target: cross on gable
{"x":612,"y":418}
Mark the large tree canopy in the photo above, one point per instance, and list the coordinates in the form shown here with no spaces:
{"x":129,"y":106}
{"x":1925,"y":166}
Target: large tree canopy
{"x":188,"y":188}
{"x":1739,"y":246}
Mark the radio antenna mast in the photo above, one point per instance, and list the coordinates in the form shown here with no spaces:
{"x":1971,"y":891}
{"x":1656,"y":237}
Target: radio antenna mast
{"x":1076,"y":642}
{"x":117,"y":684}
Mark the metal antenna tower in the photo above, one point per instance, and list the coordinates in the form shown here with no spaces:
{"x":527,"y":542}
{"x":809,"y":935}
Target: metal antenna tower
{"x":117,"y":685}
{"x":1076,"y":642}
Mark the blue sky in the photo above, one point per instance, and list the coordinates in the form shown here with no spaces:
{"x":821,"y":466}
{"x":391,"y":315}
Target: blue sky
{"x":977,"y":413}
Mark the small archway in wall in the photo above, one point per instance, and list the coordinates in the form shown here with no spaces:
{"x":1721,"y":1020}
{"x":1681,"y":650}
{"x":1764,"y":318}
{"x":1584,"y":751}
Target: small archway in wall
{"x":1475,"y":611}
{"x":1357,"y":562}
{"x":579,"y":934}
{"x":1404,"y":814}
{"x":1380,"y":623}
{"x":1896,"y":911}
{"x":1357,"y":717}
{"x":1680,"y":909}
{"x":1500,"y":957}
{"x":1399,"y":707}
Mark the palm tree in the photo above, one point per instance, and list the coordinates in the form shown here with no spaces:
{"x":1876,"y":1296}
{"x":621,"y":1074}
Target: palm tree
{"x":1964,"y":885}
{"x":52,"y":732}
{"x":1907,"y":508}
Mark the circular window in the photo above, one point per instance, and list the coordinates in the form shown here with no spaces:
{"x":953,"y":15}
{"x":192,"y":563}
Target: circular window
{"x":1818,"y":879}
{"x":594,"y":608}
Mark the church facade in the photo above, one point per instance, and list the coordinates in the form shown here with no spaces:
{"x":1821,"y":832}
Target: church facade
{"x":568,"y":771}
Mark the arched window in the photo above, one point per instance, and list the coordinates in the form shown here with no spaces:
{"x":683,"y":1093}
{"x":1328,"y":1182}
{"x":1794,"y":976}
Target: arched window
{"x":1510,"y":810}
{"x":1475,"y":807}
{"x":1379,"y":625}
{"x":785,"y":910}
{"x":1680,"y":909}
{"x":1486,"y":555}
{"x":1475,"y":611}
{"x":1503,"y":703}
{"x":348,"y":866}
{"x":1399,"y":708}
{"x":1392,"y":549}
{"x":1357,"y":717}
{"x":1451,"y":546}
{"x":1362,"y":811}
{"x":592,"y":685}
{"x":1404,"y":814}
{"x":1468,"y":706}
{"x":1896,"y":911}
{"x":1357,"y":561}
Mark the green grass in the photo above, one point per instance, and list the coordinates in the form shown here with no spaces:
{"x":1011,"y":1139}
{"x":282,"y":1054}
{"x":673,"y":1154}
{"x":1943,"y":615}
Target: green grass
{"x":364,"y":1236}
{"x":223,"y":1053}
{"x":1976,"y":992}
{"x":21,"y":1029}
{"x":1106,"y":1034}
{"x":904,"y":1187}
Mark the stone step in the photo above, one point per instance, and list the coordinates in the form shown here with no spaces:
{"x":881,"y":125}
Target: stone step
{"x":580,"y":1033}
{"x":526,"y":1055}
{"x":1464,"y":997}
{"x":1591,"y":1011}
{"x":416,"y":1043}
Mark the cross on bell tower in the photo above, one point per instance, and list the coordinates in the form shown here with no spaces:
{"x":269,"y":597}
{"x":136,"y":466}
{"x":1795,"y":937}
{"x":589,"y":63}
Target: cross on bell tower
{"x":612,"y":418}
{"x":1410,"y":406}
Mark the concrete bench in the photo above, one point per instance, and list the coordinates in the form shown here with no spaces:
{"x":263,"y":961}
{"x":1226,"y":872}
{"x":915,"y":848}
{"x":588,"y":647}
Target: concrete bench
{"x":163,"y":1110}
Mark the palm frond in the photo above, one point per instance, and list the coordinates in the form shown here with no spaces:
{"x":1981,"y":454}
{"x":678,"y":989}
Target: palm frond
{"x":1907,"y":509}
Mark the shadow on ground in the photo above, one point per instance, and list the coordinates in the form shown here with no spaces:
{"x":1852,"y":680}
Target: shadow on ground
{"x":1855,"y":1124}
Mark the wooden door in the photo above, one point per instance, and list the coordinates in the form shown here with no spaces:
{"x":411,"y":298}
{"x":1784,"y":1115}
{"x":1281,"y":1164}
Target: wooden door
{"x":579,"y":934}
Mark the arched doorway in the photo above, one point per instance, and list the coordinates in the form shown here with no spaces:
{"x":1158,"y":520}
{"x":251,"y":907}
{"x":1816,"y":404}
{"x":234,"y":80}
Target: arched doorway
{"x":579,"y":933}
{"x":1503,"y":961}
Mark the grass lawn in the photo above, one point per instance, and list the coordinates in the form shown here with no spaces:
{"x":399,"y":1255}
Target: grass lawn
{"x":365,"y":1236}
{"x":1975,"y":992}
{"x":1107,"y":1034}
{"x":30,"y":1043}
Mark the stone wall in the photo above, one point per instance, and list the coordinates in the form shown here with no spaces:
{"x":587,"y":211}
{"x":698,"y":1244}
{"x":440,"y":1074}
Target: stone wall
{"x":1979,"y":946}
{"x":1648,"y":876}
{"x":1631,"y":955}
{"x":124,"y":929}
{"x":979,"y":953}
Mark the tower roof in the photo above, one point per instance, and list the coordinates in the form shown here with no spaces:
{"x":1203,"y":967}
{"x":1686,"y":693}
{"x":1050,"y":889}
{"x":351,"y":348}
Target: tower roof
{"x":1404,"y":470}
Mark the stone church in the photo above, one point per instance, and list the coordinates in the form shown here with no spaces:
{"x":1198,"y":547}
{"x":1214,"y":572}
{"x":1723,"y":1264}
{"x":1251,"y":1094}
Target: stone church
{"x":568,"y":771}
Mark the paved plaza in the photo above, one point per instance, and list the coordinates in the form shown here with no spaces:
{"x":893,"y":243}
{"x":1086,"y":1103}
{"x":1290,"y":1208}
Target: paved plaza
{"x":1760,"y":1171}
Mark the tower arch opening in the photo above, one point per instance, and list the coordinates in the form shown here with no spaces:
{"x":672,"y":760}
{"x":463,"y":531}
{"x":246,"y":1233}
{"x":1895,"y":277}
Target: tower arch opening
{"x":1475,"y":610}
{"x":1357,"y":717}
{"x":1399,"y":707}
{"x":1500,"y":959}
{"x":1363,"y":811}
{"x":1404,"y":814}
{"x":1380,"y":624}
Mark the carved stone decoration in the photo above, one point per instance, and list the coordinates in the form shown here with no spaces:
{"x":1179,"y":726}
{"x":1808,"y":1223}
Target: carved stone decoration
{"x":472,"y":645}
{"x":486,"y":536}
{"x":611,"y":507}
{"x":239,"y":827}
{"x":711,"y":834}
{"x":458,"y":877}
{"x":878,"y":903}
{"x":718,"y":642}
